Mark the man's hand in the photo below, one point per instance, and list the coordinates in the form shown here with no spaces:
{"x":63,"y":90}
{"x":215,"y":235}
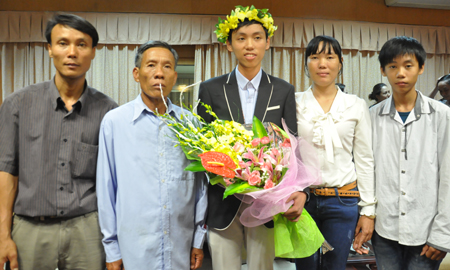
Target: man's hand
{"x":432,"y":253}
{"x":196,"y":258}
{"x":293,"y":213}
{"x":8,"y":253}
{"x":8,"y":191}
{"x":363,"y":233}
{"x":117,"y":265}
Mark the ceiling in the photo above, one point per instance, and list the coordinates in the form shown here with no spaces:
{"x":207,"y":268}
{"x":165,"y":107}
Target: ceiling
{"x":433,"y":4}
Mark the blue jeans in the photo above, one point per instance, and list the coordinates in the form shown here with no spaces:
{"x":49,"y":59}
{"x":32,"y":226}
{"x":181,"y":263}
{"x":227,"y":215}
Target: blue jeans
{"x":336,"y":218}
{"x":391,"y":255}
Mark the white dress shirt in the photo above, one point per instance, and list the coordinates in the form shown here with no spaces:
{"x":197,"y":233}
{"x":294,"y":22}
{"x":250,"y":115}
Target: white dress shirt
{"x":412,"y":173}
{"x":340,"y":135}
{"x":248,"y":93}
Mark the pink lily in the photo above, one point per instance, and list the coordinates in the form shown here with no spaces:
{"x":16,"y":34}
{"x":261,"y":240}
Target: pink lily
{"x":243,"y":174}
{"x":258,"y":160}
{"x":244,"y":165}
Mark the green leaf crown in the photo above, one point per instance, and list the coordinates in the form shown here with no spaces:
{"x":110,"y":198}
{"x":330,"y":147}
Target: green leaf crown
{"x":238,"y":15}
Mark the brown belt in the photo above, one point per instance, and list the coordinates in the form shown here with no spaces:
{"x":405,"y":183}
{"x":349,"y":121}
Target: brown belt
{"x":344,"y":191}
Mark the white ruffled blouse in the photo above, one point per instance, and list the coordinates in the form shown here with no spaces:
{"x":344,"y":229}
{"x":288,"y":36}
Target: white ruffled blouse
{"x":340,"y":136}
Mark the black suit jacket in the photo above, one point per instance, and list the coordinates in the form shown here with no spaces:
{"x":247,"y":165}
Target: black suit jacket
{"x":271,"y":106}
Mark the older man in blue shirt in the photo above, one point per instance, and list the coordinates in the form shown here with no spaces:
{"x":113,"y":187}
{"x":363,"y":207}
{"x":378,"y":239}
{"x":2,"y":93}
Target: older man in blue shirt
{"x":151,"y":211}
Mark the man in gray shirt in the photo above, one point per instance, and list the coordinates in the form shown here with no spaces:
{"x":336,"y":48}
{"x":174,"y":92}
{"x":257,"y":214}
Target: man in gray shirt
{"x":48,"y":155}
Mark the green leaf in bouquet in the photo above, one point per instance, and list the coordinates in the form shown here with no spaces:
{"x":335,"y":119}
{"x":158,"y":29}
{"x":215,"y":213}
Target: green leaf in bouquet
{"x":190,"y":154}
{"x":217,"y":180}
{"x":283,"y":172}
{"x":258,"y":129}
{"x":299,"y":239}
{"x":195,"y":166}
{"x":239,"y":187}
{"x":280,"y":131}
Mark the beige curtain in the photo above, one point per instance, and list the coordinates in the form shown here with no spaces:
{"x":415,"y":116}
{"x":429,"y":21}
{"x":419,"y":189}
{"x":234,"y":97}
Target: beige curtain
{"x":24,"y":59}
{"x":111,"y":72}
{"x":23,"y":64}
{"x":114,"y":28}
{"x":136,"y":28}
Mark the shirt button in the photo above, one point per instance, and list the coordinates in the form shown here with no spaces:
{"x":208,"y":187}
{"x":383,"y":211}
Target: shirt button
{"x":62,"y":212}
{"x":403,"y":129}
{"x":164,"y":207}
{"x":403,"y":193}
{"x":61,"y":188}
{"x":62,"y":164}
{"x":403,"y":171}
{"x":162,"y":181}
{"x":403,"y":213}
{"x":65,"y":140}
{"x":165,"y":232}
{"x":403,"y":150}
{"x":161,"y":154}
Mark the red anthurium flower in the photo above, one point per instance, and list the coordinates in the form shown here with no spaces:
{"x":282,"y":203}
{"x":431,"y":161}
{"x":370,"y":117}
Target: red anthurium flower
{"x":218,"y":163}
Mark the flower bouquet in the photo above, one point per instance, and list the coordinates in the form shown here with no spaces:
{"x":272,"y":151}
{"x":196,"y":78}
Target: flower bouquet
{"x":262,"y":167}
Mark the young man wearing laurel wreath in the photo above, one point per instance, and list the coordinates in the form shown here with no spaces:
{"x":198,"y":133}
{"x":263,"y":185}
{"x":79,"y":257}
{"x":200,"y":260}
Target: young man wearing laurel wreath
{"x":238,"y":96}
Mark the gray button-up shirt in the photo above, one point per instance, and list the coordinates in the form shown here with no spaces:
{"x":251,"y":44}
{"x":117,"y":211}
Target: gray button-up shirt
{"x":52,"y":150}
{"x":412,"y":173}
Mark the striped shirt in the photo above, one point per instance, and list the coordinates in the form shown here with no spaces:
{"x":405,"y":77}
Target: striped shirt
{"x":52,"y":150}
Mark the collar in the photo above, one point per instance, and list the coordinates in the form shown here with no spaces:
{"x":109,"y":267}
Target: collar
{"x":56,"y":97}
{"x":422,"y":106}
{"x":342,"y":101}
{"x":324,"y":129}
{"x":242,"y":81}
{"x":140,"y":108}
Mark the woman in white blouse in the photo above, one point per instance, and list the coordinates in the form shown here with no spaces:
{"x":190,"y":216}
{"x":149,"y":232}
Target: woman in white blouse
{"x":338,"y":125}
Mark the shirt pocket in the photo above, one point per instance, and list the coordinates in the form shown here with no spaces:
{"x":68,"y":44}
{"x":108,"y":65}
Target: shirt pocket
{"x":84,"y":160}
{"x":177,"y":172}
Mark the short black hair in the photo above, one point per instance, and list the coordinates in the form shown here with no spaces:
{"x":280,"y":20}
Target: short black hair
{"x":445,"y":78}
{"x":247,"y":22}
{"x":328,"y":43}
{"x":153,"y":44}
{"x":72,"y":21}
{"x":376,"y":91}
{"x":400,"y":46}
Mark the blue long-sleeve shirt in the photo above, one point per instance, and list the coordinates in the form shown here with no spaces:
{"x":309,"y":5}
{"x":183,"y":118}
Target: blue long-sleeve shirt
{"x":151,"y":211}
